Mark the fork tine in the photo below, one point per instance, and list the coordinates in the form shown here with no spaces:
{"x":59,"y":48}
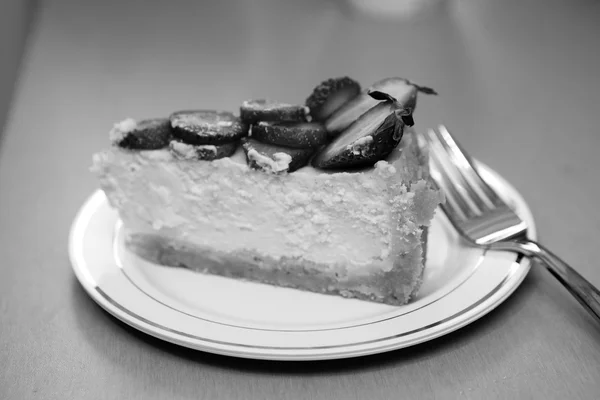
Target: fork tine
{"x":460,"y":170}
{"x":455,"y":200}
{"x":451,"y":205}
{"x":465,"y":162}
{"x":478,"y":223}
{"x":498,"y":227}
{"x":472,"y":204}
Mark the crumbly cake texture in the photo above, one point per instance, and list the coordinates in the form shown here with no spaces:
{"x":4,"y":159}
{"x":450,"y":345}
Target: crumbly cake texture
{"x":356,"y":234}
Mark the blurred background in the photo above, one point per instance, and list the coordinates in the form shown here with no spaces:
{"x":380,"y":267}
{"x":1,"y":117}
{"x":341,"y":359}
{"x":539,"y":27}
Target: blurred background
{"x":493,"y":62}
{"x":518,"y":80}
{"x":15,"y":22}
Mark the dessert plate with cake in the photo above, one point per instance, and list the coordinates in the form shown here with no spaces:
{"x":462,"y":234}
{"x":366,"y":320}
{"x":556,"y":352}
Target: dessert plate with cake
{"x":287,"y":231}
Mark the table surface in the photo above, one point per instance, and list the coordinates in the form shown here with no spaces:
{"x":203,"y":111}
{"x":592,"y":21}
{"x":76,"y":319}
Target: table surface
{"x":519,"y":85}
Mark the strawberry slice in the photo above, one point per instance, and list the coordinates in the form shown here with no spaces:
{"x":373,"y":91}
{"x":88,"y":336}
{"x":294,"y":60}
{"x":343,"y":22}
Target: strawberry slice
{"x":199,"y":127}
{"x":148,"y":134}
{"x":291,"y":134}
{"x":253,"y":111}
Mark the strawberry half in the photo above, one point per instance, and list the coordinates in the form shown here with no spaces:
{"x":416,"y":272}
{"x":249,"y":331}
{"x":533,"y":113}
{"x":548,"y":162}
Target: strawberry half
{"x":400,"y":89}
{"x":372,"y":137}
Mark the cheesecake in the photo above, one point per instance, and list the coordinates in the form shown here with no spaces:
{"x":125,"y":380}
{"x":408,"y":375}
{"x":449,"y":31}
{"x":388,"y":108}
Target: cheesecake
{"x":274,"y":196}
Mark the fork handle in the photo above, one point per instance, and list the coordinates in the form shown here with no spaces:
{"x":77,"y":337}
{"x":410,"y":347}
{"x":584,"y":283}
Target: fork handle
{"x":586,"y":293}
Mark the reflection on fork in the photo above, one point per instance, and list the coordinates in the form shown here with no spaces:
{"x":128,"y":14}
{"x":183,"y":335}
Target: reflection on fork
{"x":485,"y":220}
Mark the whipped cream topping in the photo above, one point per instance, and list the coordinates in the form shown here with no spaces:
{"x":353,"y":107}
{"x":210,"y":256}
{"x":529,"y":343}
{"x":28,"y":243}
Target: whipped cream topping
{"x":121,"y":129}
{"x":280,"y":163}
{"x":184,"y":151}
{"x":361,"y":146}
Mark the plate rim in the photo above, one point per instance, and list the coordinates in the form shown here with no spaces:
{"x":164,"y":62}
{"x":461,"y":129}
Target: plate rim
{"x":469,"y":314}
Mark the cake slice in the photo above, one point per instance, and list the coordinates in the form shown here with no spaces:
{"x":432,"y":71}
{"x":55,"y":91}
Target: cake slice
{"x":359,"y":233}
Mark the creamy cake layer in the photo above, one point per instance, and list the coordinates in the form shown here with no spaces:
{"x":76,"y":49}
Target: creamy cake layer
{"x":347,"y":231}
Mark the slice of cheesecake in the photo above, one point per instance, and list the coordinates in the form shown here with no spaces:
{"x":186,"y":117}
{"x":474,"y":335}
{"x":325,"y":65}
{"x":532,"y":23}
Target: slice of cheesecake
{"x":356,"y":233}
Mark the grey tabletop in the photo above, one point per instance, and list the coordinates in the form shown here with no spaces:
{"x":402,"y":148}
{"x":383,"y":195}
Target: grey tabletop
{"x":519,"y":85}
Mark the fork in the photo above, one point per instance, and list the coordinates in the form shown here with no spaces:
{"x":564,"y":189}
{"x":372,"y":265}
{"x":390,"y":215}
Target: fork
{"x":486,"y":221}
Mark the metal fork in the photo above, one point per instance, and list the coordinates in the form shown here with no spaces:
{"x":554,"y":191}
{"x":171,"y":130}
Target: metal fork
{"x":486,"y":221}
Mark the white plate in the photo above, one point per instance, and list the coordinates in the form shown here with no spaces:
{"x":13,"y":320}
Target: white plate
{"x":243,"y":319}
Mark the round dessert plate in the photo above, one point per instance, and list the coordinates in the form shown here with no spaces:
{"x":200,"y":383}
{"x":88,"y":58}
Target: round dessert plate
{"x":251,"y":320}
